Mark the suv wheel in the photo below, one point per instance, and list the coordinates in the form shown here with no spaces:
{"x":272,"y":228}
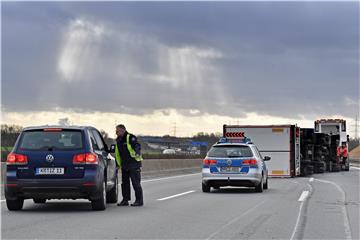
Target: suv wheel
{"x":205,"y":187}
{"x":100,"y":203}
{"x":112,"y":195}
{"x":259,"y":187}
{"x":15,"y":205}
{"x":39,"y":200}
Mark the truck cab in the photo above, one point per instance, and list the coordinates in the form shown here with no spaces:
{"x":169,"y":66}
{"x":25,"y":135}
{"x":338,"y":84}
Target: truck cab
{"x":333,"y":127}
{"x":336,"y":129}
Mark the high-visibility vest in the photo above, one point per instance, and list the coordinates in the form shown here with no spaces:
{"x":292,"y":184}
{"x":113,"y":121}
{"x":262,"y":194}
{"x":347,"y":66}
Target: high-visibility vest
{"x":130,"y":149}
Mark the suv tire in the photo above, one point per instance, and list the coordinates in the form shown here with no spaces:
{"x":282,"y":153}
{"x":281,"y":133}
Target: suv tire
{"x":112,"y":195}
{"x":100,"y":203}
{"x":39,"y":200}
{"x":15,"y":205}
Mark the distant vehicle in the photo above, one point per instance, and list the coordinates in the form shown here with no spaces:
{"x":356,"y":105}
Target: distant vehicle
{"x":56,"y":162}
{"x":234,"y":162}
{"x":169,"y":151}
{"x":280,"y":142}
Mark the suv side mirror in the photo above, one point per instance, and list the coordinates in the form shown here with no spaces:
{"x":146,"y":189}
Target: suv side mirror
{"x":112,"y":148}
{"x":266,"y":158}
{"x":106,"y":148}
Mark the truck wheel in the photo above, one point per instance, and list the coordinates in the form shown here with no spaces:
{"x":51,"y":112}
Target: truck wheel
{"x":15,"y":205}
{"x":112,"y":195}
{"x":100,"y":203}
{"x":39,"y":200}
{"x":310,"y":170}
{"x":260,"y":186}
{"x":336,"y":168}
{"x":330,"y":166}
{"x":205,"y":187}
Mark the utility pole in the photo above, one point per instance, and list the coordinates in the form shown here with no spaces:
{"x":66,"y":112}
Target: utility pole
{"x":356,"y":128}
{"x":174,"y":129}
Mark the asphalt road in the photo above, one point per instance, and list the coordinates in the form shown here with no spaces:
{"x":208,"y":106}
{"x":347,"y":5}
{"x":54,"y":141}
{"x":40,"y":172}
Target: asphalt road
{"x":325,"y":206}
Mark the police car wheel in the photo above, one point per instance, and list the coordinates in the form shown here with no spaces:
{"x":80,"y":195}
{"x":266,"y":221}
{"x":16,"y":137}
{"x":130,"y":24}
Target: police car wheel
{"x":259,"y":187}
{"x":266,"y":184}
{"x":205,"y":187}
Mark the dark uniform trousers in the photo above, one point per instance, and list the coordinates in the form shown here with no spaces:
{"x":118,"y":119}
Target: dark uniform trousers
{"x":135,"y":176}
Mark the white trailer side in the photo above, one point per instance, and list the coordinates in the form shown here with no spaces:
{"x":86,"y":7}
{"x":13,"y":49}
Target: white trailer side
{"x":280,"y":142}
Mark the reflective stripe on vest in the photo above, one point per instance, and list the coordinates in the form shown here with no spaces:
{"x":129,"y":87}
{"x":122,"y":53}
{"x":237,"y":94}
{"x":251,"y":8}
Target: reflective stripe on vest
{"x":130,"y":149}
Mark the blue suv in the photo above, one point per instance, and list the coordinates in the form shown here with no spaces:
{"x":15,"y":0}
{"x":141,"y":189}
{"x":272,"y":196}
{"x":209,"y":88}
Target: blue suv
{"x":52,"y":162}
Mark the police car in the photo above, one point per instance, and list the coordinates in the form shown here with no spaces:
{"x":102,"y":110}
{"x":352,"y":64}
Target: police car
{"x":234,"y":162}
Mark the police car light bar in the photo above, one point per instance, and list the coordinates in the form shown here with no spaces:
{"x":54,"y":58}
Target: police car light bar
{"x":235,"y":140}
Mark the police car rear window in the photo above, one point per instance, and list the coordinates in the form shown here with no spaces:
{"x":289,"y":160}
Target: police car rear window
{"x":230,"y":151}
{"x":51,"y":140}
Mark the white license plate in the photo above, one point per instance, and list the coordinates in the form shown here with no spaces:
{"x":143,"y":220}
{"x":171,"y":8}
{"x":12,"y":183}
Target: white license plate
{"x":230,"y":169}
{"x":49,"y":171}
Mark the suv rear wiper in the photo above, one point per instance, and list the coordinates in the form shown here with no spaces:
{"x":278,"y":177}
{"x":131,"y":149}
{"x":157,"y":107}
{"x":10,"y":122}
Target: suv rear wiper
{"x":233,"y":156}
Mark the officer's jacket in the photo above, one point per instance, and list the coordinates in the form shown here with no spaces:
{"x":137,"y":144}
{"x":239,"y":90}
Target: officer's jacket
{"x":128,"y":152}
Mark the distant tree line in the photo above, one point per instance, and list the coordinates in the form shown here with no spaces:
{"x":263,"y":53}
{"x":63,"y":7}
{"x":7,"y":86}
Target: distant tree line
{"x":9,"y":134}
{"x":210,"y":138}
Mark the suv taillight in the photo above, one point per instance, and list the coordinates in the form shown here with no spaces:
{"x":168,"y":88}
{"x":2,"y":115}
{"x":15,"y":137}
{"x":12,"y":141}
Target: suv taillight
{"x":85,"y":158}
{"x":16,"y":159}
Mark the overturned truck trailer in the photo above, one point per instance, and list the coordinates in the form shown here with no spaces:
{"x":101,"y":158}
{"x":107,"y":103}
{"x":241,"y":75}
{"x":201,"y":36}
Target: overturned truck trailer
{"x":280,"y":142}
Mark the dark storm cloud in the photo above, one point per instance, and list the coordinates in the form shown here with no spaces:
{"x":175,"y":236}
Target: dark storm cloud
{"x":283,"y":58}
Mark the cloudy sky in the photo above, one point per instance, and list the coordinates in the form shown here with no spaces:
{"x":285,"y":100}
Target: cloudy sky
{"x":197,"y":64}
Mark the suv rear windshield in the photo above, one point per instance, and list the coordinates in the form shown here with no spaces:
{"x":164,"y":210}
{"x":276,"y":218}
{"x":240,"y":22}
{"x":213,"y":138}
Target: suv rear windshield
{"x":230,"y":151}
{"x":56,"y":140}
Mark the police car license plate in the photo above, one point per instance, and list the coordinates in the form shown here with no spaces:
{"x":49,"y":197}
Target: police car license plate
{"x":230,"y":169}
{"x":49,"y":171}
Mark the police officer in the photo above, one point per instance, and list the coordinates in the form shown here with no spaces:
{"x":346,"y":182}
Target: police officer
{"x":128,"y":157}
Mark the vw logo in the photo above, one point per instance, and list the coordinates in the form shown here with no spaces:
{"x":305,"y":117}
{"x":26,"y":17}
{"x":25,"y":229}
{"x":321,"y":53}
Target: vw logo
{"x":229,"y":162}
{"x":49,"y":158}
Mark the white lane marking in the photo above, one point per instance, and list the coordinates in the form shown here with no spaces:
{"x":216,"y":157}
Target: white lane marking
{"x":176,"y":195}
{"x":235,"y":219}
{"x":311,"y":179}
{"x":294,"y":181}
{"x":303,"y":196}
{"x":357,"y":168}
{"x":343,"y":208}
{"x":165,"y":178}
{"x":299,"y":216}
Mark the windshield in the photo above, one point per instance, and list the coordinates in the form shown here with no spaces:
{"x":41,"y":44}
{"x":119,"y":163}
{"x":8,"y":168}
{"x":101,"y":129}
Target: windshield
{"x":62,"y":140}
{"x":230,"y":151}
